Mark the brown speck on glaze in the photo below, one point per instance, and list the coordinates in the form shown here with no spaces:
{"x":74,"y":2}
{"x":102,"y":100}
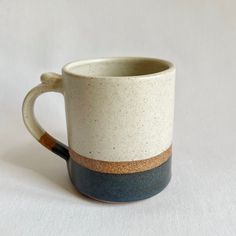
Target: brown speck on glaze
{"x":123,"y":167}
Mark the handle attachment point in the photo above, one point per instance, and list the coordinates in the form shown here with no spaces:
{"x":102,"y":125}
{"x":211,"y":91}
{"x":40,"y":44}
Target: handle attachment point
{"x":50,"y":77}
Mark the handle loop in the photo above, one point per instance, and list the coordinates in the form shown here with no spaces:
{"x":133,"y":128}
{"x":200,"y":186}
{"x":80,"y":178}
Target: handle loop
{"x":50,"y":82}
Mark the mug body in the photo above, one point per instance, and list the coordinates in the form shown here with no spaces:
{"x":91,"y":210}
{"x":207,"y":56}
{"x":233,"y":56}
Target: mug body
{"x":119,"y":115}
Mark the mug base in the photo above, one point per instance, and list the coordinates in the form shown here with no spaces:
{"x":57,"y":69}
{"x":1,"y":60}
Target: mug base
{"x":119,"y":188}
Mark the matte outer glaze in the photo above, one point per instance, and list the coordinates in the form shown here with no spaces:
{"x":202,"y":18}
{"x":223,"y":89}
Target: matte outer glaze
{"x":120,"y":118}
{"x":120,"y":188}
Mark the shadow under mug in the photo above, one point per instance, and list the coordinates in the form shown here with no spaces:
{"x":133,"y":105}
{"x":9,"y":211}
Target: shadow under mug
{"x":119,"y":114}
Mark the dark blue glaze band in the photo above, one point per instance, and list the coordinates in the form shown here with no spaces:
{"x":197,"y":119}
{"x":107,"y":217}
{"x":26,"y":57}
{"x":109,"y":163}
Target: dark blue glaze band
{"x":119,"y":187}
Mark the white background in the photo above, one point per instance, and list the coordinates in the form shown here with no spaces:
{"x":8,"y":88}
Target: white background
{"x":36,"y":197}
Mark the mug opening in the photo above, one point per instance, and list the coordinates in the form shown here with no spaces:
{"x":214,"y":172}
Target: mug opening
{"x":118,"y":67}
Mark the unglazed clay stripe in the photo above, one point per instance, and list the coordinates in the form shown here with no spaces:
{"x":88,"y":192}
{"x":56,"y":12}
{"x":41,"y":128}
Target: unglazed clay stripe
{"x":124,"y":167}
{"x":47,"y":141}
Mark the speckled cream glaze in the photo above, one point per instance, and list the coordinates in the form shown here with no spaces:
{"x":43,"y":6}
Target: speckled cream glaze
{"x":119,"y":109}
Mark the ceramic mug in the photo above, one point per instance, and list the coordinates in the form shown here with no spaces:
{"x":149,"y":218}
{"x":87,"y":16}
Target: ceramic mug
{"x":119,"y":114}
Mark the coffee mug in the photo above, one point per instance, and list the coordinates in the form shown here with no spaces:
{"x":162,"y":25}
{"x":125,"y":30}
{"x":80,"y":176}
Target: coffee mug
{"x":119,"y":114}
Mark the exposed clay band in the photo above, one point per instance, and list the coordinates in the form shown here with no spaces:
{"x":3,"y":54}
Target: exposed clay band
{"x":124,"y":167}
{"x":47,"y":141}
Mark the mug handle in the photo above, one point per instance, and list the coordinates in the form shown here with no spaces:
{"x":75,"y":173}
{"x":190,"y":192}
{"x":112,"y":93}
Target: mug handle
{"x":50,"y":82}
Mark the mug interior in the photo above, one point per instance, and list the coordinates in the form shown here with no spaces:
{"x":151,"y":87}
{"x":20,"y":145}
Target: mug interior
{"x":117,"y":67}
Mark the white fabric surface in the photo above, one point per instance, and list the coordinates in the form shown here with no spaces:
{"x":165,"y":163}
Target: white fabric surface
{"x":36,"y":197}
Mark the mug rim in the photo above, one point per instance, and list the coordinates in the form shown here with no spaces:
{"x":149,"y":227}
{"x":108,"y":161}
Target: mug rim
{"x":67,"y":67}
